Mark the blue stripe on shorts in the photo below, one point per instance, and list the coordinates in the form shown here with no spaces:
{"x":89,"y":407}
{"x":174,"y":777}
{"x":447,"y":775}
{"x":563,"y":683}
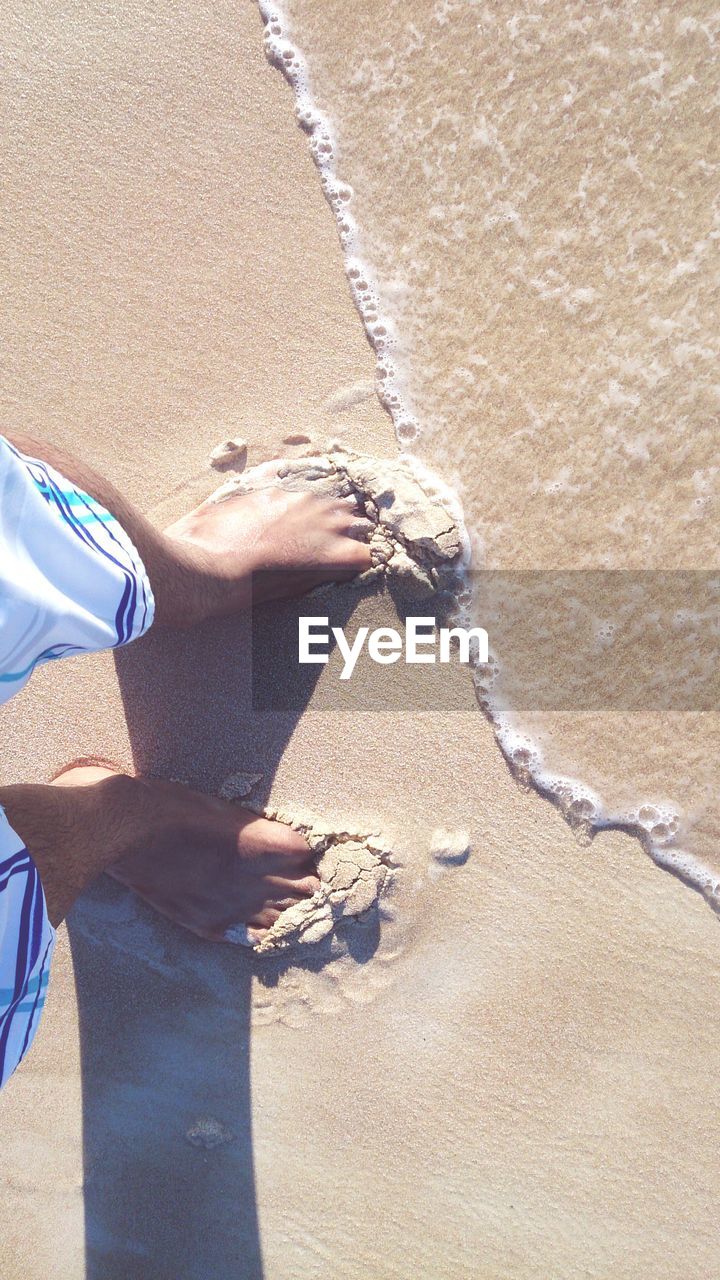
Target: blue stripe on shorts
{"x":71,"y":582}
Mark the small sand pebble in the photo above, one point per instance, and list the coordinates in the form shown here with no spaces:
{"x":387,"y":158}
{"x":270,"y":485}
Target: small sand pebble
{"x":450,"y":848}
{"x":238,"y":785}
{"x":230,"y":452}
{"x":208,"y":1133}
{"x":297,"y":437}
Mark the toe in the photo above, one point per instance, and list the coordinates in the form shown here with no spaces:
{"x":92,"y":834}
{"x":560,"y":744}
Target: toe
{"x":289,"y":889}
{"x":352,"y":521}
{"x":289,"y":842}
{"x":356,"y":554}
{"x":265,"y":837}
{"x":264,"y":919}
{"x":361,"y":530}
{"x":350,"y":506}
{"x":306,"y":886}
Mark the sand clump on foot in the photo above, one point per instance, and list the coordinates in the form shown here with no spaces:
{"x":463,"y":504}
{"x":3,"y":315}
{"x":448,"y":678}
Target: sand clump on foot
{"x":417,"y":526}
{"x":231,"y":453}
{"x":354,"y":870}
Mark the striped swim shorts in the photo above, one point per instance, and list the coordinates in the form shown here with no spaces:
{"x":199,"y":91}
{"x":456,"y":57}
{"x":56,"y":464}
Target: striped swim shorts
{"x":70,"y":582}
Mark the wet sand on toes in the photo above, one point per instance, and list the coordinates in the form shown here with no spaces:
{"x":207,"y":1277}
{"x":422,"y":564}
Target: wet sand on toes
{"x":514,"y":1076}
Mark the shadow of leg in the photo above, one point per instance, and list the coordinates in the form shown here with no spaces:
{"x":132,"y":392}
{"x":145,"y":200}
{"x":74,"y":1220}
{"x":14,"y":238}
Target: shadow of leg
{"x":165,"y":1026}
{"x":165,"y":1017}
{"x":188,"y":705}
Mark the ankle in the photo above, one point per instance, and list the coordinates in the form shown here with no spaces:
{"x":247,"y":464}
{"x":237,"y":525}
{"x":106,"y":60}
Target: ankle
{"x":74,"y":832}
{"x":189,"y":587}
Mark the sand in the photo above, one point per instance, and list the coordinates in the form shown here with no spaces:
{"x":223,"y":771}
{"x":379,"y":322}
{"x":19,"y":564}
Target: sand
{"x":512,"y":1074}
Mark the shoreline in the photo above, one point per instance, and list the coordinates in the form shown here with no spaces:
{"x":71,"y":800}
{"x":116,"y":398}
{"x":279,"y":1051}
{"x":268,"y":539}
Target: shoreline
{"x":523,"y":755}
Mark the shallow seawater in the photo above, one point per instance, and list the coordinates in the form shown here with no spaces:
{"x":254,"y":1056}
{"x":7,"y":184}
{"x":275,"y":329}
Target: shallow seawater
{"x":527,"y":195}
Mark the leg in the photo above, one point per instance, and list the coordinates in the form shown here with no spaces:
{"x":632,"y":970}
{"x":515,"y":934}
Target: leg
{"x":203,"y":565}
{"x":192,"y":856}
{"x":202,"y":862}
{"x":71,"y":581}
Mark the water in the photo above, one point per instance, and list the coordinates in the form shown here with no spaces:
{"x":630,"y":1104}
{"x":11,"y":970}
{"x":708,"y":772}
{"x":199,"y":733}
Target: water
{"x":527,"y":196}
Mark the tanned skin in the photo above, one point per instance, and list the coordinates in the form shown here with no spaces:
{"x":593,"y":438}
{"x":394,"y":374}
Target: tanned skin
{"x":202,"y":862}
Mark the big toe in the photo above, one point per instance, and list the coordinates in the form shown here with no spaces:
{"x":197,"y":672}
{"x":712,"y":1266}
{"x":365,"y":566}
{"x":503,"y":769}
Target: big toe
{"x":353,"y":554}
{"x":261,"y":837}
{"x":289,"y":889}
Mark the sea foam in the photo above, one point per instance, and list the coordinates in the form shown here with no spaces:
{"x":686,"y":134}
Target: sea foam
{"x":659,"y":825}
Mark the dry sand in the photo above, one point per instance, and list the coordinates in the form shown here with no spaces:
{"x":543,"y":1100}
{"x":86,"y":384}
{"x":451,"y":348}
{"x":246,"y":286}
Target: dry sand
{"x":515,"y":1075}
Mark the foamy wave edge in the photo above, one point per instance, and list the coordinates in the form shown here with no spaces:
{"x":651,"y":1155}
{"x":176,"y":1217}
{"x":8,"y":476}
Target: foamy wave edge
{"x":284,"y":54}
{"x":583,"y":808}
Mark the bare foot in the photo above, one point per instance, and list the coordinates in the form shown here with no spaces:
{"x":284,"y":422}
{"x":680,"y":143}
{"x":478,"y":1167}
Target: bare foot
{"x":204,"y":863}
{"x":266,"y":545}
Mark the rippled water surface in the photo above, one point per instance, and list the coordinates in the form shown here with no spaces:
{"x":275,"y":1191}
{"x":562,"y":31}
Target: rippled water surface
{"x":528,"y":198}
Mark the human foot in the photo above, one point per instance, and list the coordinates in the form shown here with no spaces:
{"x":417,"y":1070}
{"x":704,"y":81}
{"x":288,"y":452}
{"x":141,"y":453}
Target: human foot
{"x":204,"y":863}
{"x":263,"y":545}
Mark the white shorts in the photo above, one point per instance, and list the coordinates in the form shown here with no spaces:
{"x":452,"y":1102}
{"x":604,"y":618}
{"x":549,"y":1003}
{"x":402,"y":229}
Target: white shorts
{"x":70,"y":582}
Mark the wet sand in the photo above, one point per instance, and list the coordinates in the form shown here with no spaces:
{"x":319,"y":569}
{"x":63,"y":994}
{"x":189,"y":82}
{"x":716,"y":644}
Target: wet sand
{"x":515,"y":1074}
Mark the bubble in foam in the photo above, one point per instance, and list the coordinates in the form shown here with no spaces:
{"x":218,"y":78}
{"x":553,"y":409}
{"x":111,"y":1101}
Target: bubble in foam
{"x":407,"y":430}
{"x":660,"y":822}
{"x":647,"y":815}
{"x":582,"y":807}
